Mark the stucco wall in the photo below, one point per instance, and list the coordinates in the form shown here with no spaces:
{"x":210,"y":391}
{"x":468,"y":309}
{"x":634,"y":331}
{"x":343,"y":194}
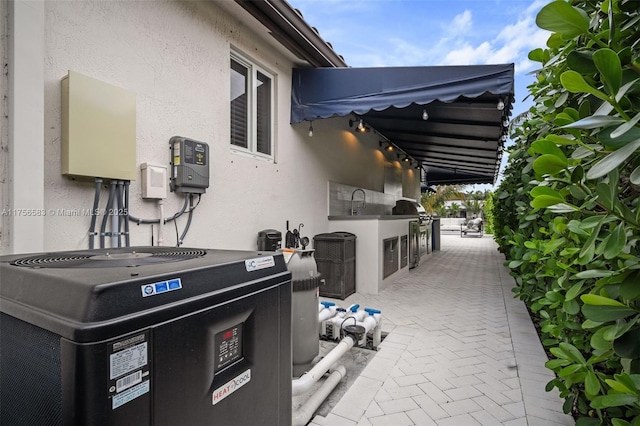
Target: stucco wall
{"x":175,"y":57}
{"x":4,"y":130}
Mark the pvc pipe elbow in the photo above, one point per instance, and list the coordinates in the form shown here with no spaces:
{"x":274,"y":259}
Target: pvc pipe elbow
{"x":302,"y":416}
{"x":304,"y":382}
{"x":326,"y":314}
{"x":369,"y":323}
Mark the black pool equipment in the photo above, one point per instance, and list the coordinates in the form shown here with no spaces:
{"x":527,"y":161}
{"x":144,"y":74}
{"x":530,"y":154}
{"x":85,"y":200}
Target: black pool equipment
{"x":269,"y":240}
{"x":189,"y":165}
{"x":145,"y":336}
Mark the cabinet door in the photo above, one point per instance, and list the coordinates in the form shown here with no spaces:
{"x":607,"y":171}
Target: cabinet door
{"x":390,"y":256}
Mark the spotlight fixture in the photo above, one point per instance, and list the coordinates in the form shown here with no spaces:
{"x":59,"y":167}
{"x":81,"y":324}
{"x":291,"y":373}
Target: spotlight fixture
{"x":310,"y":129}
{"x":386,"y":146}
{"x":406,"y":159}
{"x":500,"y":105}
{"x":425,"y":116}
{"x":361,"y":127}
{"x":418,"y":166}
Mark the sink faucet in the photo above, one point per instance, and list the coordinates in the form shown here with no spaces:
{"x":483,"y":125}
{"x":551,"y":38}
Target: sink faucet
{"x":364,"y":201}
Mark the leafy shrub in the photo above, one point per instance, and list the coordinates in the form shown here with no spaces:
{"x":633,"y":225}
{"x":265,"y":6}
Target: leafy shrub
{"x":487,"y":212}
{"x":573,"y":182}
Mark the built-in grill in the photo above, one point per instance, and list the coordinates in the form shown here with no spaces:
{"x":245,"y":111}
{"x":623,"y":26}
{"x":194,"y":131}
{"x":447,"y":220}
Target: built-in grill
{"x":423,"y":230}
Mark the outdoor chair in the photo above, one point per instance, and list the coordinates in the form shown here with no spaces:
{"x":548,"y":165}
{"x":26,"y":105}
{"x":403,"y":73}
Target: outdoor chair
{"x":474,"y":227}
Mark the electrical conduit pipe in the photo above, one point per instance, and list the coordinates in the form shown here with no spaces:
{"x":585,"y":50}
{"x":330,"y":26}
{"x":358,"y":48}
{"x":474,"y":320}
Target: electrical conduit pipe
{"x":161,"y":222}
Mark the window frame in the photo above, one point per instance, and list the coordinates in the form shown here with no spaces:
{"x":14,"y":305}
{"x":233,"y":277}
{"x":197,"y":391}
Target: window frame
{"x":253,"y":68}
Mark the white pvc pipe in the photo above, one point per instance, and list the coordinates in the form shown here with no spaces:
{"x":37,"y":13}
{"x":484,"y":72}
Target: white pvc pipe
{"x":302,"y":416}
{"x":161,"y":223}
{"x":304,"y":382}
{"x":369,"y":323}
{"x":341,"y":320}
{"x":326,"y":313}
{"x":359,"y":315}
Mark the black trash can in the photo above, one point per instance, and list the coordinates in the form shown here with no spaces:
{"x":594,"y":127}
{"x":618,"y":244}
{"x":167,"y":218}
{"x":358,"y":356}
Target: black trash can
{"x":269,"y":240}
{"x":336,"y":259}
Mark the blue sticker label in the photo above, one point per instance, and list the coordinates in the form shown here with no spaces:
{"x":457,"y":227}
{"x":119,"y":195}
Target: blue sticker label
{"x":130,"y":394}
{"x":161,"y":287}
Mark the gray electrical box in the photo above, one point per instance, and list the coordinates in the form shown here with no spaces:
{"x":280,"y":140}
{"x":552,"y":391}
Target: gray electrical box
{"x":189,"y":165}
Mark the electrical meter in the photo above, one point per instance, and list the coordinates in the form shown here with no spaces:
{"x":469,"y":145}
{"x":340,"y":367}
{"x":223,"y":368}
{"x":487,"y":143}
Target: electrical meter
{"x":189,"y":165}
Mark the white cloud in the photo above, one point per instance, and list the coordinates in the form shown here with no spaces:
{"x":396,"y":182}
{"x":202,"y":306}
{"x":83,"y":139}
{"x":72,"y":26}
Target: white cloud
{"x":512,"y":44}
{"x":461,"y":24}
{"x":469,"y":55}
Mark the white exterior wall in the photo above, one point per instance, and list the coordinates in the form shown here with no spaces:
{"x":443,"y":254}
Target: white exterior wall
{"x":175,"y":57}
{"x":5,"y":223}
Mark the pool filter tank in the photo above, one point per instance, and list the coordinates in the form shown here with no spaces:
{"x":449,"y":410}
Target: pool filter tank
{"x":305,"y":334}
{"x":145,"y":336}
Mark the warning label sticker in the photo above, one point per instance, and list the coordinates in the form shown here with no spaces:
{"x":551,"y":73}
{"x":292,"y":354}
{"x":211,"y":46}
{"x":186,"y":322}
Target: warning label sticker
{"x":129,"y":368}
{"x":127,"y":360}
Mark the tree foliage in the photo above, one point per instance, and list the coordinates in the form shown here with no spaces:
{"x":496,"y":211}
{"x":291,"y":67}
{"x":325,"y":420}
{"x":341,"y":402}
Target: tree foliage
{"x":567,"y":214}
{"x":487,"y":213}
{"x":433,"y":202}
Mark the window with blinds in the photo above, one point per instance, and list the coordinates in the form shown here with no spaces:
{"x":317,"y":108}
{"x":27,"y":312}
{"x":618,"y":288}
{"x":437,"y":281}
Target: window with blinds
{"x":251,"y":108}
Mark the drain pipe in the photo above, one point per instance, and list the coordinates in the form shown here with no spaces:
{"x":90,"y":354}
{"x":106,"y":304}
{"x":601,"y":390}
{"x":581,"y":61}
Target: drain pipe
{"x":303,"y":414}
{"x":304,"y":382}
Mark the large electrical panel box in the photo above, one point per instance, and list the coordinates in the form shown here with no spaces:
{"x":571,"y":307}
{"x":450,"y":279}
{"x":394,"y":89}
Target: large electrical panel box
{"x":98,"y":129}
{"x":189,"y":165}
{"x":145,"y":336}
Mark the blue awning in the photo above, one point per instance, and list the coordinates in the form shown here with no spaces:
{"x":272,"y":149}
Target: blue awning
{"x":462,"y":139}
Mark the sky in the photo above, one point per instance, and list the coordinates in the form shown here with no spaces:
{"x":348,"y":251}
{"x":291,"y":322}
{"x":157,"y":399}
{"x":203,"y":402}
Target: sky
{"x":380,"y":33}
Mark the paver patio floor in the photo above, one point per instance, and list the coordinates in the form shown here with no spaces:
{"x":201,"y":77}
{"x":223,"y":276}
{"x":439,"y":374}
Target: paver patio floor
{"x":460,"y":349}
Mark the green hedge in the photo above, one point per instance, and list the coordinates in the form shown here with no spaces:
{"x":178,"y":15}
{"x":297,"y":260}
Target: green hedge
{"x":573,"y":182}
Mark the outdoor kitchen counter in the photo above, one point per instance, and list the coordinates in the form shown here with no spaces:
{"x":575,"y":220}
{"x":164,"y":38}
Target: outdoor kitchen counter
{"x":371,"y":231}
{"x":374,"y":216}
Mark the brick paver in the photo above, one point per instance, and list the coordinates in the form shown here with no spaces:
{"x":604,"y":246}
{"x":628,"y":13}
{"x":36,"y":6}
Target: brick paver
{"x":460,"y":349}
